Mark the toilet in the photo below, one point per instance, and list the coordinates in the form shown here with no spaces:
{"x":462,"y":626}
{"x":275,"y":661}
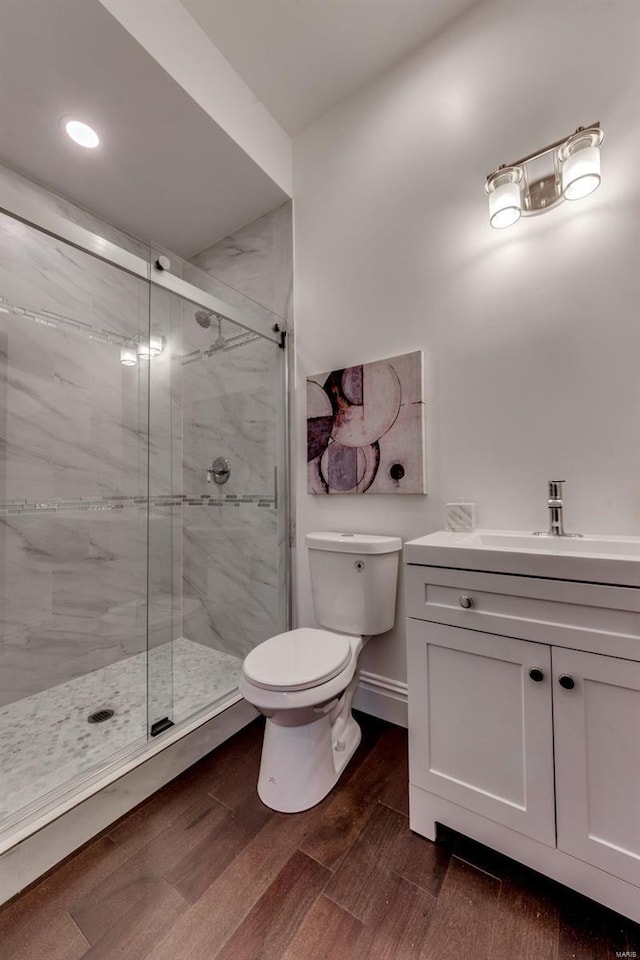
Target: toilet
{"x":304,"y":680}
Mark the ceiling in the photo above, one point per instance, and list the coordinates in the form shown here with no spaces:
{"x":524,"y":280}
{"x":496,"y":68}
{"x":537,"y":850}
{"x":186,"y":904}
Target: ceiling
{"x":302,"y":57}
{"x":165,"y":171}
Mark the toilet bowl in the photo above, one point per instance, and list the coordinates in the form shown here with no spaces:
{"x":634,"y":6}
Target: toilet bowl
{"x":304,"y":680}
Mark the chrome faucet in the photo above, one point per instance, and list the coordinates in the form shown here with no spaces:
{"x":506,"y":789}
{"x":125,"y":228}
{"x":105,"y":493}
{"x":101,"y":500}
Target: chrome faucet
{"x":556,"y":523}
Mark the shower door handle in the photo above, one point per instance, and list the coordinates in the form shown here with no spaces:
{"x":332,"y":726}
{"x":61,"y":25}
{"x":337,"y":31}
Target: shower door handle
{"x":219,"y":471}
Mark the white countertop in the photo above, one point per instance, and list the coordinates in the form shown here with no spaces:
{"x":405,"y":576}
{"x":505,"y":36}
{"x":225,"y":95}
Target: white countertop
{"x":591,"y":558}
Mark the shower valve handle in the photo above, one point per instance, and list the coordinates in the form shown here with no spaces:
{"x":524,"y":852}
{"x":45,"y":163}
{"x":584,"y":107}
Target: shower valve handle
{"x":219,"y":471}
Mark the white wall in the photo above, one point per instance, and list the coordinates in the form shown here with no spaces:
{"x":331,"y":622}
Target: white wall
{"x":531,"y":335}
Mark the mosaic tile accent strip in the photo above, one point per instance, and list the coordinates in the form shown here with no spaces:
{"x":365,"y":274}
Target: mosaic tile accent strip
{"x":97,"y":504}
{"x":49,"y":318}
{"x":230,"y":344}
{"x":47,"y":741}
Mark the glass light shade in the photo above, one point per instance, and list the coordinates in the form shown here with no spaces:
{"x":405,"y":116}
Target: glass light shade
{"x":82,"y":134}
{"x":505,"y":205}
{"x":128,"y":357}
{"x":150,"y":348}
{"x":581,"y":173}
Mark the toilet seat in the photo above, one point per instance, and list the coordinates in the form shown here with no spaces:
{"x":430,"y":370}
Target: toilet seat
{"x":298,"y":659}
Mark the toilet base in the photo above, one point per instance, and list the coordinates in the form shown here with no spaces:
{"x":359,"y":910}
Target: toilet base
{"x":301,"y":764}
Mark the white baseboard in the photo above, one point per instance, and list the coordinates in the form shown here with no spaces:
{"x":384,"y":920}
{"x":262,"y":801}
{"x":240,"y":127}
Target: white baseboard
{"x":37,"y":853}
{"x":382,"y":697}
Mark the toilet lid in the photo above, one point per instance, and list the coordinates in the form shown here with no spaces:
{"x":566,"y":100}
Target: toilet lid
{"x":298,"y":659}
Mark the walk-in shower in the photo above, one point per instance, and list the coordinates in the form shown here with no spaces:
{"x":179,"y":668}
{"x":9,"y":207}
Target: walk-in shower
{"x":130,"y":588}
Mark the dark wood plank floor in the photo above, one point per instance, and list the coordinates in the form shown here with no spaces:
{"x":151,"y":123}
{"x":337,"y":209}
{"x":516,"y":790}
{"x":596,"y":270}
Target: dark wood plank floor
{"x":203,"y":871}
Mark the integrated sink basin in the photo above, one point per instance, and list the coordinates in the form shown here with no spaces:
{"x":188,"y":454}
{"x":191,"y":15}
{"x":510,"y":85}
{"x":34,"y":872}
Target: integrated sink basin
{"x":594,"y":545}
{"x":592,"y":558}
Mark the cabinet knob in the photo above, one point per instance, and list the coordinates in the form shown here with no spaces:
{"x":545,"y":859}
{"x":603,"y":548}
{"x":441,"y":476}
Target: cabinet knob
{"x":465,"y":601}
{"x":536,"y":674}
{"x":567,"y":682}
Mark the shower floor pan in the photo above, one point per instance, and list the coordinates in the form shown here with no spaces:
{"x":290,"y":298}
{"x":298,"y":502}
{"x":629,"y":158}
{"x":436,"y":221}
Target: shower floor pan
{"x":47,"y":743}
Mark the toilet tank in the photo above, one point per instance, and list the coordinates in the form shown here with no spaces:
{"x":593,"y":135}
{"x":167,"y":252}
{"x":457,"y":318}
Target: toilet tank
{"x":354,"y":579}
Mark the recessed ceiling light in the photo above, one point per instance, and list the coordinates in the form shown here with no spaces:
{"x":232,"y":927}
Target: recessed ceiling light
{"x":82,"y":133}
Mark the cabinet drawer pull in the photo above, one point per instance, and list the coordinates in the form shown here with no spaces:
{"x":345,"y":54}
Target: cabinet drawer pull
{"x":465,"y":601}
{"x":567,"y":682}
{"x":536,"y":674}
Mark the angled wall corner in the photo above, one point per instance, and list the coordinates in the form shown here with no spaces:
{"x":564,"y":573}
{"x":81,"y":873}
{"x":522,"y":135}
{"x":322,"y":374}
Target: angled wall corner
{"x":172,"y":37}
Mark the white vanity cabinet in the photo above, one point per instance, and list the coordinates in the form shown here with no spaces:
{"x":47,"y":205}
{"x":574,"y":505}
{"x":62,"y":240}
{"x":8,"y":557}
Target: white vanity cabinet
{"x":480,"y":735}
{"x":597,"y":761}
{"x":524,"y":721}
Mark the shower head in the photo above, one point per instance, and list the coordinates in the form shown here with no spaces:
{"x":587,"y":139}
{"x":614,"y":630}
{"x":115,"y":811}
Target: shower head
{"x":203,"y":318}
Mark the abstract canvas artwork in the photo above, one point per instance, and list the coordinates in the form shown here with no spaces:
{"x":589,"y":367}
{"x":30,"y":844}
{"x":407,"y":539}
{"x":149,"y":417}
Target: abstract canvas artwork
{"x":365,"y":428}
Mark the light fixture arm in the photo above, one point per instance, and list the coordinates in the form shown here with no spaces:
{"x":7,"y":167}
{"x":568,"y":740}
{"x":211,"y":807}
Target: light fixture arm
{"x":566,"y":169}
{"x":552,"y":146}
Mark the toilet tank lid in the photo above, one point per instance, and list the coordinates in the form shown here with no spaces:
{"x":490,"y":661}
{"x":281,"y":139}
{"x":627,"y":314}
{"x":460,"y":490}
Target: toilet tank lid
{"x":353,"y":542}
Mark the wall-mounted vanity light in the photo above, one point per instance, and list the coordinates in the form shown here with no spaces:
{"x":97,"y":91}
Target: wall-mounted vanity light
{"x":566,"y":170}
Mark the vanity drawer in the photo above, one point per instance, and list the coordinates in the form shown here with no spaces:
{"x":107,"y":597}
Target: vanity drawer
{"x":566,"y":613}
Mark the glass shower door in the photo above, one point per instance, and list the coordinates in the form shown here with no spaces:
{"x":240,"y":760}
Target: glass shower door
{"x":216,"y":518}
{"x":73,"y":516}
{"x":132,"y":581}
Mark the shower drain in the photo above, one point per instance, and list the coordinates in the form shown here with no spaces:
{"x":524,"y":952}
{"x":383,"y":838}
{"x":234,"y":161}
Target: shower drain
{"x":101,"y":715}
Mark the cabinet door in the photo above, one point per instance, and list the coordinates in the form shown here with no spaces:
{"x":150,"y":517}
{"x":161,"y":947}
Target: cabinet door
{"x":480,"y":728}
{"x":597,"y":750}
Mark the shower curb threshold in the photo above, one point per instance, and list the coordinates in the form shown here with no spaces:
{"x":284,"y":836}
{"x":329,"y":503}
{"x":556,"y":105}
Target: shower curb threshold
{"x":38,"y":845}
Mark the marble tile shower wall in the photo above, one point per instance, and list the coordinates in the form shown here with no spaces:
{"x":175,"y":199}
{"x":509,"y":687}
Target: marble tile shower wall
{"x":73,"y":471}
{"x":231,"y":553}
{"x":256,"y":261}
{"x":75,"y":420}
{"x":233,"y":566}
